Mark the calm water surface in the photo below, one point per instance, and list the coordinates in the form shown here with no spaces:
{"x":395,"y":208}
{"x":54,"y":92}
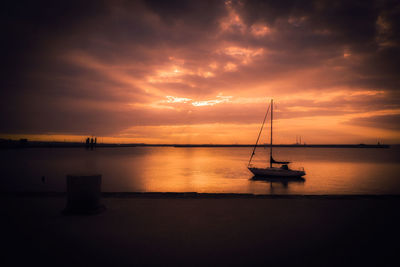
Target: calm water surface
{"x":212,"y":170}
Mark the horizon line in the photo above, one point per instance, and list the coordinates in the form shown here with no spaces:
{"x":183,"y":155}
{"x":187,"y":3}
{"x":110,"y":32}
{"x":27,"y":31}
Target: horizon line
{"x":194,"y":144}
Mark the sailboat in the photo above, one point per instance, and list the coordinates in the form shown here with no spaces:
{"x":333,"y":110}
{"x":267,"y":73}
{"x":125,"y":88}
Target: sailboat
{"x":281,"y":171}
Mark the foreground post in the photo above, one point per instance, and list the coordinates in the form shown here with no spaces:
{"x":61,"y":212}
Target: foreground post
{"x":83,"y":195}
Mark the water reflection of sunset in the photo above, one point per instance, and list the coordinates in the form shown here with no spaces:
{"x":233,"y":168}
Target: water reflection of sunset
{"x":205,"y":170}
{"x":222,"y":170}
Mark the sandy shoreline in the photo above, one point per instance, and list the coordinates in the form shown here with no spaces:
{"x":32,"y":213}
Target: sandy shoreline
{"x":186,"y":230}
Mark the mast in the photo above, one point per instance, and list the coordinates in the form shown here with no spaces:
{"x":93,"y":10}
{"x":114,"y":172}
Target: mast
{"x":272,"y":118}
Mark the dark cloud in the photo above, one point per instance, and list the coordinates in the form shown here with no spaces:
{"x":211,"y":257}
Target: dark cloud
{"x":391,"y":122}
{"x":347,"y":21}
{"x":201,"y":14}
{"x":370,"y":29}
{"x":29,"y":28}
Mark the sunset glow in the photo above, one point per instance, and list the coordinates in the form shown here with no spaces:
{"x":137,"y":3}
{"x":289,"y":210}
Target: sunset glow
{"x":203,"y":72}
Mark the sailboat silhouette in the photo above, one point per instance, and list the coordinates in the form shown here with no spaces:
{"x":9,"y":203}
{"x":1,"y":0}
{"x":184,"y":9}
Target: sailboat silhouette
{"x":271,"y":171}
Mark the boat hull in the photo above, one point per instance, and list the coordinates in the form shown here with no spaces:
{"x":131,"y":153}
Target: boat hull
{"x":276,"y":172}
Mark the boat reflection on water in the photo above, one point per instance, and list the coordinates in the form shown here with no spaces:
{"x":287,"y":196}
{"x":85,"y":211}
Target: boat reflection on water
{"x":285,"y":181}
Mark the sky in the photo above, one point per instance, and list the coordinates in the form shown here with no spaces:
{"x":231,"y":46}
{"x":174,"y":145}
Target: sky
{"x":201,"y":72}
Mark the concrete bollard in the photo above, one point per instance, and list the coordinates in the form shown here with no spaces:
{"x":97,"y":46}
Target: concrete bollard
{"x":83,"y":194}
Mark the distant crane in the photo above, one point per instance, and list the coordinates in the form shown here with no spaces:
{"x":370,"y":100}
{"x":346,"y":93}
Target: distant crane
{"x":298,"y":140}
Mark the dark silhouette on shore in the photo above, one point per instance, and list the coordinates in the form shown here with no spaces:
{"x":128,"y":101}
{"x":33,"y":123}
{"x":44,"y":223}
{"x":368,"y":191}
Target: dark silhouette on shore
{"x":90,"y":142}
{"x":83,"y":195}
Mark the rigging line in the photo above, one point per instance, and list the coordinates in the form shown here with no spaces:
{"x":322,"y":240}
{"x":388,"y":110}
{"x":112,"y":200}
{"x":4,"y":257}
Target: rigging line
{"x":258,"y":138}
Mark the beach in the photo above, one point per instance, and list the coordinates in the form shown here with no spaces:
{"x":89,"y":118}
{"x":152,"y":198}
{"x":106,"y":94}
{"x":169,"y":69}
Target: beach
{"x":195,"y":229}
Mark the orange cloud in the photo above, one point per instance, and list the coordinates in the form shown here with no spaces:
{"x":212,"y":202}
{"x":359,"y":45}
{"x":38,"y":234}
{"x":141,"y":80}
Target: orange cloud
{"x":201,"y":73}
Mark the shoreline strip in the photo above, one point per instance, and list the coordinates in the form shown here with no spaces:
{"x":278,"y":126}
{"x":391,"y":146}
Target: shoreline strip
{"x":195,"y":195}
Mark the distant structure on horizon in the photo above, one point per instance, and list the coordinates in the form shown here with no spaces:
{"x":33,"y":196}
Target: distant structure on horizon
{"x":91,"y":142}
{"x":298,"y":140}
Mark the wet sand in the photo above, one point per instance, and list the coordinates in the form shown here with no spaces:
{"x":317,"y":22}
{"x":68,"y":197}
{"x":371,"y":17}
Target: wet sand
{"x":203,"y":230}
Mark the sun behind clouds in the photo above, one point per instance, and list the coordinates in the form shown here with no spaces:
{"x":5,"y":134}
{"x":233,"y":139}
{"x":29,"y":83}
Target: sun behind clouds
{"x":204,"y":72}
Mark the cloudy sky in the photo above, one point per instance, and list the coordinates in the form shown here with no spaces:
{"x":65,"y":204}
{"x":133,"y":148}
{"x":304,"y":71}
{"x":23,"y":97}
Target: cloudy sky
{"x":201,"y":71}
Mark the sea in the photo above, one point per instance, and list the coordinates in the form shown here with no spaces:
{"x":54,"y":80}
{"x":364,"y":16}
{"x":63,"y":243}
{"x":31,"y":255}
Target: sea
{"x":203,"y":169}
